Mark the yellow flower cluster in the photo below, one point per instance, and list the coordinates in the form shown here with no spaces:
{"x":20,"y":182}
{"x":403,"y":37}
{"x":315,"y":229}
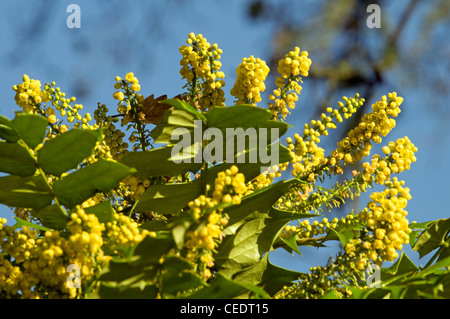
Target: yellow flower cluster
{"x":305,"y":229}
{"x":113,"y":138}
{"x":399,"y":156}
{"x":94,"y":200}
{"x":294,"y":65}
{"x":123,"y":232}
{"x":401,"y":153}
{"x":101,"y":149}
{"x":385,"y":217}
{"x":42,"y":262}
{"x":134,"y":86}
{"x":202,"y":242}
{"x":130,"y":102}
{"x":313,"y":156}
{"x":32,"y":99}
{"x":229,"y":187}
{"x":29,"y":93}
{"x":305,"y":152}
{"x":251,"y":74}
{"x":372,"y":127}
{"x":201,"y":66}
{"x":261,"y":181}
{"x":135,"y":187}
{"x":17,"y":245}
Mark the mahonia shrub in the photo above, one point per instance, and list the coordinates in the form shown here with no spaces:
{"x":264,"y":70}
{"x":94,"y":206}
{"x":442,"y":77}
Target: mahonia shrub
{"x":106,"y":205}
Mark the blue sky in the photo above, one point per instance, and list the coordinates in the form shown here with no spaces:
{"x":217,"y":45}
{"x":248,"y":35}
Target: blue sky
{"x":86,"y":56}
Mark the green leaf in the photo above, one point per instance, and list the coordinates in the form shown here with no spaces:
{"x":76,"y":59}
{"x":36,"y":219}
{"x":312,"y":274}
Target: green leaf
{"x":151,"y":249}
{"x":154,"y":225}
{"x":243,"y":116}
{"x":250,"y":170}
{"x":168,"y":198}
{"x":344,"y":235}
{"x":244,"y":123}
{"x":251,"y":231}
{"x":159,"y":162}
{"x":291,"y":242}
{"x":179,"y":228}
{"x":24,"y":192}
{"x":140,"y":290}
{"x":402,"y":266}
{"x":104,"y":211}
{"x":7,"y":131}
{"x":101,"y":176}
{"x":435,"y":268}
{"x":16,"y":160}
{"x":21,"y":223}
{"x":177,"y":276}
{"x":272,"y":278}
{"x":67,"y":150}
{"x":175,"y":119}
{"x":52,"y":216}
{"x":126,"y":272}
{"x":332,"y":294}
{"x":30,"y":127}
{"x":433,"y":237}
{"x":134,"y":277}
{"x":416,"y":230}
{"x":183,"y":105}
{"x":219,"y":288}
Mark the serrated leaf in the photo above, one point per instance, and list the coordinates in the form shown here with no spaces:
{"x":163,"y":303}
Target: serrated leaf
{"x":344,"y":235}
{"x":159,"y":162}
{"x":7,"y":131}
{"x":67,"y":150}
{"x":24,"y":192}
{"x":104,"y":211}
{"x":248,"y":125}
{"x":250,"y":170}
{"x":182,"y":105}
{"x":243,"y":116}
{"x":291,"y":242}
{"x":21,"y":223}
{"x":101,"y":176}
{"x":402,"y":266}
{"x":30,"y":127}
{"x":251,"y":231}
{"x":432,"y":237}
{"x":176,"y":119}
{"x":151,"y":249}
{"x":219,"y":288}
{"x":52,"y":216}
{"x":272,"y":278}
{"x":177,"y":277}
{"x":168,"y":198}
{"x":16,"y":160}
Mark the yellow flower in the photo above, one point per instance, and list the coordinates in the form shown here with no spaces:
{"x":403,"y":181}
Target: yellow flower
{"x":119,"y":95}
{"x":136,"y":87}
{"x":129,"y":77}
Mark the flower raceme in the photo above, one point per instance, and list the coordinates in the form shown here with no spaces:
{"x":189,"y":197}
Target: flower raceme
{"x":291,"y":68}
{"x":229,"y":187}
{"x":39,"y":269}
{"x":372,"y":127}
{"x":251,"y":74}
{"x":201,"y":68}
